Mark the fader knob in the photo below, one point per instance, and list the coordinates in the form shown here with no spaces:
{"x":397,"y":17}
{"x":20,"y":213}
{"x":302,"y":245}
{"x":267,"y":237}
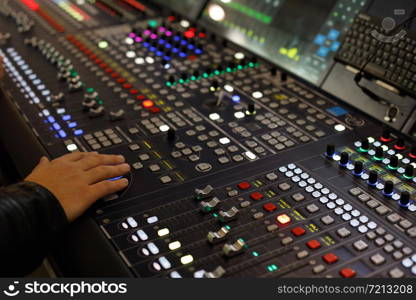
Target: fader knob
{"x":404,"y":199}
{"x":171,"y":135}
{"x":400,"y":144}
{"x":373,"y":177}
{"x":358,"y":168}
{"x":345,"y":158}
{"x":235,"y":248}
{"x":330,"y":150}
{"x":218,"y":236}
{"x":386,"y":135}
{"x":203,"y":193}
{"x":394,"y":162}
{"x":379,"y":153}
{"x":251,"y":109}
{"x":365,"y":144}
{"x":388,"y":188}
{"x":413,"y":152}
{"x":409,"y":172}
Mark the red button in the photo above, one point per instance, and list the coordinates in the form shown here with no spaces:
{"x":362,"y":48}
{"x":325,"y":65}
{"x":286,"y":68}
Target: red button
{"x":256,"y":196}
{"x":244,"y":185}
{"x":108,"y":70}
{"x":115,"y":75}
{"x":347,"y":273}
{"x":127,"y":86}
{"x":103,"y":65}
{"x":141,"y":97}
{"x":313,"y":244}
{"x":155,"y":110}
{"x":298,"y":231}
{"x":330,"y":258}
{"x":121,"y":80}
{"x":269,"y":207}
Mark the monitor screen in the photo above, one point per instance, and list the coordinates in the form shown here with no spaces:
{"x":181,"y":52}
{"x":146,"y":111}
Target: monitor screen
{"x":302,"y":36}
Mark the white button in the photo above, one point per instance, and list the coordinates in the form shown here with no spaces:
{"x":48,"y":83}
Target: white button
{"x":164,"y":262}
{"x":407,"y":263}
{"x":340,"y":202}
{"x":175,"y":274}
{"x":132,"y":222}
{"x":152,"y":220}
{"x":346,"y":217}
{"x":142,"y":235}
{"x":363,"y":229}
{"x":354,"y":223}
{"x":153,"y":248}
{"x":330,"y":205}
{"x":355,"y":213}
{"x":372,"y":225}
{"x":339,"y":211}
{"x":363,"y":219}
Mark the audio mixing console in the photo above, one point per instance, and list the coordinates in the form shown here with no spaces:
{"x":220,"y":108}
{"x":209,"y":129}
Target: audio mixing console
{"x":239,"y":169}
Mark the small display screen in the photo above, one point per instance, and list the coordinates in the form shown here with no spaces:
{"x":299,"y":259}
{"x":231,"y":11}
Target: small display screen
{"x":301,"y":36}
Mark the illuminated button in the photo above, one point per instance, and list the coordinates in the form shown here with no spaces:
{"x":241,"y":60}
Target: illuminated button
{"x":165,"y":262}
{"x":187,"y":259}
{"x":283,"y":219}
{"x":142,"y":235}
{"x":239,"y":115}
{"x":257,"y":95}
{"x":152,"y":219}
{"x":244,"y":185}
{"x":298,"y":231}
{"x":330,"y":258}
{"x":147,"y":103}
{"x":153,"y":248}
{"x":256,"y":196}
{"x":163,"y":232}
{"x":269,"y":207}
{"x":214,"y":116}
{"x":174,"y":245}
{"x":347,"y":273}
{"x":132,"y":222}
{"x":313,"y":244}
{"x":224,"y":140}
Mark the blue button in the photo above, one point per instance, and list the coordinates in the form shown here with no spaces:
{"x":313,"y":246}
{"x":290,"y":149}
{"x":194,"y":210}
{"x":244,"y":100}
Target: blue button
{"x":182,"y":54}
{"x":320,"y":39}
{"x":72,"y":125}
{"x":323,"y":51}
{"x":62,"y":134}
{"x":337,"y":111}
{"x":333,"y":34}
{"x":335,"y":46}
{"x":198,"y":51}
{"x":51,"y":119}
{"x":175,"y":50}
{"x":78,"y":132}
{"x":56,"y":126}
{"x":115,"y":178}
{"x":66,"y":118}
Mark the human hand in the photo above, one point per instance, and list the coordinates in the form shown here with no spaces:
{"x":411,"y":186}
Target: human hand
{"x":79,"y":179}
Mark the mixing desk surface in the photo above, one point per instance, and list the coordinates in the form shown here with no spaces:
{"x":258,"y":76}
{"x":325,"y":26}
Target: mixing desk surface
{"x":239,"y":168}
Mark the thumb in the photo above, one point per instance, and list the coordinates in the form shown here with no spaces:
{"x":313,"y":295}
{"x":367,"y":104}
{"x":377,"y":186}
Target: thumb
{"x":44,"y":160}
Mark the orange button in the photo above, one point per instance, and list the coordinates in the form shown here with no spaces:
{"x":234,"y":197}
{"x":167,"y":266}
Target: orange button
{"x":347,"y":273}
{"x":330,"y":258}
{"x":147,"y":103}
{"x":298,"y":231}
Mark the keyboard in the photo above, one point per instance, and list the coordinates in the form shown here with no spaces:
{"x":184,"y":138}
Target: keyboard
{"x":393,"y":63}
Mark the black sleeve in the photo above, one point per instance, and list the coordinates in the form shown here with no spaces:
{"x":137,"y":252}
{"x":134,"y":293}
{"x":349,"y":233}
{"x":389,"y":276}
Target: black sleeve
{"x":30,"y":218}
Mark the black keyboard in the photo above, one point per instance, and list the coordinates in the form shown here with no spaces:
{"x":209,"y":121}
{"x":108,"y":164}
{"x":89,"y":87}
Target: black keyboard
{"x":394,"y":63}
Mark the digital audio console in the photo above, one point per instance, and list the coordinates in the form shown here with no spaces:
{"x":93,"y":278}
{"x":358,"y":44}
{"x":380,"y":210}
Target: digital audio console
{"x":241,"y":165}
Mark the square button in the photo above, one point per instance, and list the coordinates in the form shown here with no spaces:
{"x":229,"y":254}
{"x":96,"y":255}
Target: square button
{"x":343,"y":232}
{"x":154,"y":168}
{"x":360,"y":245}
{"x":312,"y":208}
{"x":298,"y":197}
{"x":298,"y":231}
{"x":330,"y":258}
{"x":244,"y":185}
{"x":284,"y":186}
{"x":165,"y":179}
{"x":256,"y":196}
{"x":313,"y":244}
{"x":347,"y":273}
{"x":377,"y":259}
{"x":269,"y":207}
